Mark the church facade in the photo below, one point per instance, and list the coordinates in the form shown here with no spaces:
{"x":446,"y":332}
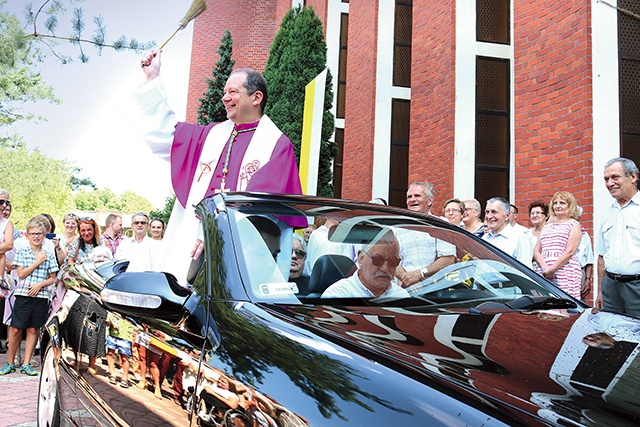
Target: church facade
{"x":481,"y":98}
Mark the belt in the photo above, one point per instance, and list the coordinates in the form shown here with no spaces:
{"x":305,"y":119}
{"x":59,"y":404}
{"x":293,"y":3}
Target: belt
{"x":623,"y":277}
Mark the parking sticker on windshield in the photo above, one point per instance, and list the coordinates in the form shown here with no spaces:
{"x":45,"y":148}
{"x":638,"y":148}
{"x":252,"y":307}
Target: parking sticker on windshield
{"x":284,"y":288}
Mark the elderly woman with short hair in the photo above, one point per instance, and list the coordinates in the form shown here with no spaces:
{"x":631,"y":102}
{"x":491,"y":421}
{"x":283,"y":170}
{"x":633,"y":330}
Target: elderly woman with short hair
{"x":453,"y":210}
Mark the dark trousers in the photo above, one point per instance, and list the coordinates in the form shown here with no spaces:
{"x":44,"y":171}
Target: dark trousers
{"x":621,"y":297}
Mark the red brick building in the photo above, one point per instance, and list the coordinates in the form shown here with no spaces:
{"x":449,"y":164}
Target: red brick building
{"x":480,"y":97}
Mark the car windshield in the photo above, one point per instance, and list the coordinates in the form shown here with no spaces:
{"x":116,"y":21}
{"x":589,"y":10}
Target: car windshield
{"x":370,"y":255}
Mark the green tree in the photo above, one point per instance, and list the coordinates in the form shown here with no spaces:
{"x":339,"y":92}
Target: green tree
{"x":132,"y":202}
{"x":211,"y":108}
{"x":165,"y":212}
{"x":106,"y":199}
{"x":297,"y":55}
{"x":18,"y":82}
{"x":77,"y":183}
{"x":86,"y":200}
{"x":37,"y":183}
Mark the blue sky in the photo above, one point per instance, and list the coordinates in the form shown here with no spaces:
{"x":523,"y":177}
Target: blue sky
{"x":87,"y":128}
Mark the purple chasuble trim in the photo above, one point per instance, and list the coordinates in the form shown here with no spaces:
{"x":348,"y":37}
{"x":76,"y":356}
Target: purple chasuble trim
{"x":188,"y":141}
{"x":278,"y":175}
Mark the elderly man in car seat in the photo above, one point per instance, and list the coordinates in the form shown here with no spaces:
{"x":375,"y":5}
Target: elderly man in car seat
{"x":374,"y":277}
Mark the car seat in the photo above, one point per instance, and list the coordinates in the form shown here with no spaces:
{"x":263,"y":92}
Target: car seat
{"x":327,"y":270}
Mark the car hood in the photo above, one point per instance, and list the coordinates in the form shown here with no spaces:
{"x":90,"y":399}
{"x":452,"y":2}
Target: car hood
{"x":528,"y":363}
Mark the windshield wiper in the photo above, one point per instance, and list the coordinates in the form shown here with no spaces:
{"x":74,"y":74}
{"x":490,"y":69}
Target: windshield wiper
{"x":524,"y":303}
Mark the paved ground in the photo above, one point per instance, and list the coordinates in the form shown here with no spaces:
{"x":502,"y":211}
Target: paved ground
{"x":18,"y":397}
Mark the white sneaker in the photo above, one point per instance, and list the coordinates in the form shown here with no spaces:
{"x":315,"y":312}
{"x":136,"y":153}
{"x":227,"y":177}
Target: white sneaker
{"x":17,"y":360}
{"x":34,"y":363}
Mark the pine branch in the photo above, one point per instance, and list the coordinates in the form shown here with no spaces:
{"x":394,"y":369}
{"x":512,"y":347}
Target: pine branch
{"x":117,"y":45}
{"x":52,"y":9}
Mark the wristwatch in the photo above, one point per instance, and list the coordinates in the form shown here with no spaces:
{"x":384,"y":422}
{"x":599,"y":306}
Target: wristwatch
{"x":424,"y":271}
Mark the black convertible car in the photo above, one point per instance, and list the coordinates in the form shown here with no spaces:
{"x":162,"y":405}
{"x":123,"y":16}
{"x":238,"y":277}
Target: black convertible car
{"x":482,"y":341}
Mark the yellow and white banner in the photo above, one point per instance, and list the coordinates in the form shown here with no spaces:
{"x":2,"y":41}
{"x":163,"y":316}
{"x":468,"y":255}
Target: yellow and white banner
{"x":312,"y":133}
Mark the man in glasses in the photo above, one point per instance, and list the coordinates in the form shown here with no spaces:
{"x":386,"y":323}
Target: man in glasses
{"x":377,"y":264}
{"x":140,"y":250}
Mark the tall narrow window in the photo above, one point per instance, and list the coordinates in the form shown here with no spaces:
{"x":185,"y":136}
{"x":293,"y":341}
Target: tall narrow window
{"x":340,"y":104}
{"x":399,"y":158}
{"x":492,"y":128}
{"x":402,"y":43}
{"x":629,"y":86}
{"x":493,"y":21}
{"x":337,"y":163}
{"x":342,"y":66}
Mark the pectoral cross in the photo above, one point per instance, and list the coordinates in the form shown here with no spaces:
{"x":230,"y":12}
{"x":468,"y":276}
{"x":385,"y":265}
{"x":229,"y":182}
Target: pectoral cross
{"x":222,"y":188}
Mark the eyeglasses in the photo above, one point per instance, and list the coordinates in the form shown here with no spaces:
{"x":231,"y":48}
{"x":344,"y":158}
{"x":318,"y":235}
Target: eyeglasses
{"x":71,"y":223}
{"x":299,"y":253}
{"x":139,"y":222}
{"x":36,"y":234}
{"x":5,"y":203}
{"x":86,"y":219}
{"x":452,"y":211}
{"x":536,"y":213}
{"x":379,"y":260}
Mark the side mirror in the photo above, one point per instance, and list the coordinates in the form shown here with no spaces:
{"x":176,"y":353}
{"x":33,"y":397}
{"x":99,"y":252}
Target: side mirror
{"x":146,"y":294}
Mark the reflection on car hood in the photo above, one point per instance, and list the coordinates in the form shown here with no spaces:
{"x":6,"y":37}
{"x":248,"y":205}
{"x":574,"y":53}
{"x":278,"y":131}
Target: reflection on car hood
{"x":538,"y":362}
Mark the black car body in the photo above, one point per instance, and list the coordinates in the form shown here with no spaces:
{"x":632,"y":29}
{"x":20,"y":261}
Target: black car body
{"x":485,"y":341}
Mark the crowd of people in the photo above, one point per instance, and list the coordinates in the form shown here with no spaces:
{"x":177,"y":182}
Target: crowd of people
{"x":30,"y":259}
{"x":555,"y":244}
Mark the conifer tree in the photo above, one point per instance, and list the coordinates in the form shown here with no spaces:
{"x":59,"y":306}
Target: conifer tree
{"x":211,"y":108}
{"x":297,"y":55}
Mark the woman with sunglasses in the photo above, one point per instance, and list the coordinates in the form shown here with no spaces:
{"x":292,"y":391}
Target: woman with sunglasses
{"x":6,"y":242}
{"x":80,"y":250}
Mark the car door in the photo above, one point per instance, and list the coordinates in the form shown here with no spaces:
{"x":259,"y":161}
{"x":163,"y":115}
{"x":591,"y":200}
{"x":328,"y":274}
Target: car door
{"x":119,"y":367}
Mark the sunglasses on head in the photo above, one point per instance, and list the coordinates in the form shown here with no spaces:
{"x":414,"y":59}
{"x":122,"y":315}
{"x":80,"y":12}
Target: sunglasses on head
{"x":5,"y":203}
{"x":379,"y":260}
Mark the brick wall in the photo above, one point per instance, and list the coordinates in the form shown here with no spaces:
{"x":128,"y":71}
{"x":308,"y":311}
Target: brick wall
{"x":252,"y":24}
{"x":360,"y":100}
{"x":431,"y":149}
{"x":553,"y":102}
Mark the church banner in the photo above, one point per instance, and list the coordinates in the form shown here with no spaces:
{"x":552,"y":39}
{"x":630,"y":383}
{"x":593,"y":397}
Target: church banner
{"x":312,"y":133}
